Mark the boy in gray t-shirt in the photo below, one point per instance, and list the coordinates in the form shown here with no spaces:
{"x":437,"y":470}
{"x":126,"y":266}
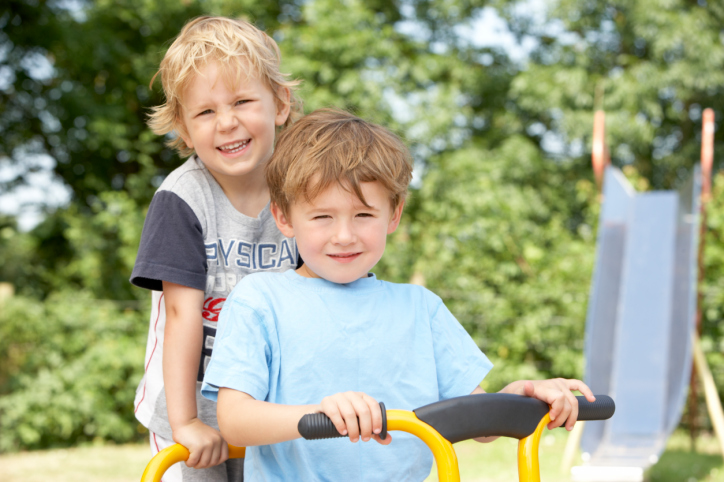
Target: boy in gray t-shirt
{"x":208,"y":225}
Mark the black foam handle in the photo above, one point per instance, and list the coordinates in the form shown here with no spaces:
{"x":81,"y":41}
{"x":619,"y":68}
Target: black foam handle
{"x":317,"y":426}
{"x":602,"y":409}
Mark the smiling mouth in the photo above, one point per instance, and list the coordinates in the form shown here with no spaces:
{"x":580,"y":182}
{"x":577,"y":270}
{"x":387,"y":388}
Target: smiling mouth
{"x":344,"y":256}
{"x":234,"y":147}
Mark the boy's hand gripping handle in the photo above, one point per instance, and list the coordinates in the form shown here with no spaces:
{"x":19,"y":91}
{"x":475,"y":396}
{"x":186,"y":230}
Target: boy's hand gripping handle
{"x":315,"y":426}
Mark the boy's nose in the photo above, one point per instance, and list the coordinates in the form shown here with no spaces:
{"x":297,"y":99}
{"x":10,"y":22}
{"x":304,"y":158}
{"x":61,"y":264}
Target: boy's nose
{"x":227,"y":121}
{"x":344,"y":234}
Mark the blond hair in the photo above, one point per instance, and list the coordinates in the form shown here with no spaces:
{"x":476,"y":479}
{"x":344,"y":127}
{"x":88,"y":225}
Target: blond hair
{"x":240,"y":49}
{"x":331,"y":146}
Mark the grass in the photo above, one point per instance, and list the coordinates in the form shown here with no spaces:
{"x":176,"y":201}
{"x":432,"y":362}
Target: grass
{"x":104,"y":463}
{"x":679,"y":463}
{"x":498,"y":461}
{"x":489,"y":462}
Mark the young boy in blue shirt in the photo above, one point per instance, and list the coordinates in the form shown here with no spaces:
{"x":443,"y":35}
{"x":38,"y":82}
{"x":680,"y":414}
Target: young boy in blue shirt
{"x":330,"y":337}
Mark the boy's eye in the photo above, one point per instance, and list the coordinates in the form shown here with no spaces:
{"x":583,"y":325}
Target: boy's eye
{"x":207,"y":111}
{"x":364,"y":215}
{"x":241,"y":101}
{"x":321,"y":216}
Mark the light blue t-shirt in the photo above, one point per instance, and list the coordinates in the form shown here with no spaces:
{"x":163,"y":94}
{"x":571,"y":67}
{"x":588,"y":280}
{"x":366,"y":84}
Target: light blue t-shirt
{"x":287,"y":339}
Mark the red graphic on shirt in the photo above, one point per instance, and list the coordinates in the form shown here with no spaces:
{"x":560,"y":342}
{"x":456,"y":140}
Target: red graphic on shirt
{"x":212,"y":308}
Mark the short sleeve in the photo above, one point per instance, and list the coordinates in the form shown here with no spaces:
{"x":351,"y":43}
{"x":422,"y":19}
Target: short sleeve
{"x":461,"y":365}
{"x":172,"y":246}
{"x":242,"y":353}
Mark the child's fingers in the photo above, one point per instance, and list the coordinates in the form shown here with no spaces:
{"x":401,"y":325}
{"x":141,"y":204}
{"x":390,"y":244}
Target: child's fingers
{"x":376,"y":412}
{"x":331,"y":409}
{"x":386,"y":441}
{"x":349,"y":414}
{"x":528,"y":388}
{"x":558,"y":394}
{"x":193,"y":458}
{"x":205,"y":458}
{"x":578,"y":385}
{"x":224,"y":452}
{"x":363,"y":416}
{"x":214,"y":455}
{"x":572,"y":416}
{"x":217,"y":452}
{"x":370,"y":417}
{"x":555,"y":412}
{"x":583,"y":388}
{"x":569,"y":411}
{"x":560,"y":410}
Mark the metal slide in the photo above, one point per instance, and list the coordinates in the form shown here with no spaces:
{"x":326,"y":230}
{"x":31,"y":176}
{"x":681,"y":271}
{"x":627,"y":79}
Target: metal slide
{"x":640,"y":318}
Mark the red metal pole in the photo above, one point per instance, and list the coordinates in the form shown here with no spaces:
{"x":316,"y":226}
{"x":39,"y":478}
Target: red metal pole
{"x":707,"y":153}
{"x":599,"y":152}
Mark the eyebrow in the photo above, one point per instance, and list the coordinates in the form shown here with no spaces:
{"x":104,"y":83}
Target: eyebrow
{"x":357,"y":207}
{"x":199,"y":108}
{"x":189,"y":107}
{"x":245,"y":93}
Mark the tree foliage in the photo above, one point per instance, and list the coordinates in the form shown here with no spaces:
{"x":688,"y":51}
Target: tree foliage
{"x":69,"y":372}
{"x":653,"y":66}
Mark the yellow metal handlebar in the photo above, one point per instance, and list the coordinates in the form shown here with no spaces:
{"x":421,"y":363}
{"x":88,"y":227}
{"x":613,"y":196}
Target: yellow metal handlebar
{"x":160,"y":462}
{"x":442,"y":449}
{"x":528,"y":468}
{"x":400,"y":420}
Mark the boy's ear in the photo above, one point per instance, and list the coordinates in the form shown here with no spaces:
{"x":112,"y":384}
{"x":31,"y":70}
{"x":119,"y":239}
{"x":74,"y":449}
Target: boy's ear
{"x":395,"y":219}
{"x":187,"y":141}
{"x":183,"y":133}
{"x":283,"y":223}
{"x":283,"y":106}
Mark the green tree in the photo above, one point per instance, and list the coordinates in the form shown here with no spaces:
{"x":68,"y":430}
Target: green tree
{"x":69,"y":372}
{"x":652,"y":65}
{"x":713,"y":286}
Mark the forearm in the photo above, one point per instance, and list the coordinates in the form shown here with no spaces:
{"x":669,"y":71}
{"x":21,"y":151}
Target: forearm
{"x":482,"y":439}
{"x":179,"y":369}
{"x":183,"y":337}
{"x":245,"y":422}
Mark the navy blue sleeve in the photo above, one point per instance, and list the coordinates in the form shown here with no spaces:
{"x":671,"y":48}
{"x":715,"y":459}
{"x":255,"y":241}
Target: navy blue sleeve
{"x":172,"y":246}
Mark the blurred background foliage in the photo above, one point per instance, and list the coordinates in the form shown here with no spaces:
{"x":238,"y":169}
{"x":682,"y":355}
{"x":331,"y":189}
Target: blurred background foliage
{"x":501,"y":220}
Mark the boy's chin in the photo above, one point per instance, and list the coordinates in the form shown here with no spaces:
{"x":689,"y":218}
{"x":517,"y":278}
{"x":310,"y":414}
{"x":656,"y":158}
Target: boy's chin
{"x":348,"y":279}
{"x":335,"y":277}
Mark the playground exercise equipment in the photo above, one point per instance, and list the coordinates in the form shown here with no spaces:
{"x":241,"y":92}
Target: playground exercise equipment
{"x":440,"y":425}
{"x":642,"y":312}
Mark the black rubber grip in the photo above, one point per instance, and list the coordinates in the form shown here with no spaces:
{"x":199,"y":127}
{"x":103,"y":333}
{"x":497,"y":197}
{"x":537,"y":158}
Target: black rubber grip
{"x":499,"y":414}
{"x":483,"y":415}
{"x":317,"y":426}
{"x":602,"y":409}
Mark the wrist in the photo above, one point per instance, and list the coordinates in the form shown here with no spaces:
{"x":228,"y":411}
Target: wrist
{"x":515,"y":388}
{"x":180,"y":424}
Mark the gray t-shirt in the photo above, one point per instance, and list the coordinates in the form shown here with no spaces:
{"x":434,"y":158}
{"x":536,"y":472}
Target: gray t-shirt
{"x":193,"y":236}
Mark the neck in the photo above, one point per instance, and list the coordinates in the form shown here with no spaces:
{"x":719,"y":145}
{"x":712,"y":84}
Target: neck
{"x":248,"y":194}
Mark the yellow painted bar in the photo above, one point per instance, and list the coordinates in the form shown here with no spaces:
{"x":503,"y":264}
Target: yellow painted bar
{"x":445,"y":457}
{"x":160,"y":463}
{"x":528,"y":468}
